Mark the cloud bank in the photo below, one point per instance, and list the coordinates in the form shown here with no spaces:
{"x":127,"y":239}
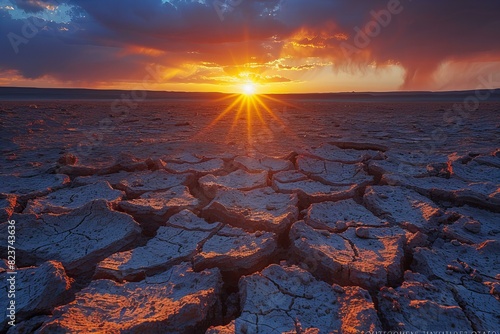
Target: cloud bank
{"x":221,"y":42}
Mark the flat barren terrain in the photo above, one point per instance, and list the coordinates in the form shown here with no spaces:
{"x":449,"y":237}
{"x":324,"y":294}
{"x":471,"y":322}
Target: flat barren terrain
{"x":249,"y":215}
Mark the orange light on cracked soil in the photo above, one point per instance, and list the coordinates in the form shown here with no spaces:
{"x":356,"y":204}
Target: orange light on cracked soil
{"x":250,"y":119}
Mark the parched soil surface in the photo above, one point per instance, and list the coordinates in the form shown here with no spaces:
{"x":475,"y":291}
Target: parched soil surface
{"x":308,"y":217}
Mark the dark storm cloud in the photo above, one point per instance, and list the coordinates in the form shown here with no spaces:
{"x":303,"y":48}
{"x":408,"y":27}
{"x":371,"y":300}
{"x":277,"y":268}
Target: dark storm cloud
{"x":421,"y":37}
{"x":46,"y":51}
{"x":427,"y":33}
{"x":115,"y":39}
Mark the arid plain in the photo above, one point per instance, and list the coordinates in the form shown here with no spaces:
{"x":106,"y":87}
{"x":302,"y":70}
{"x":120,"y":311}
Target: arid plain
{"x":251,"y":215}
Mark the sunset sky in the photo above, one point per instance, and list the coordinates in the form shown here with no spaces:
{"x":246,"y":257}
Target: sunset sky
{"x":282,"y":46}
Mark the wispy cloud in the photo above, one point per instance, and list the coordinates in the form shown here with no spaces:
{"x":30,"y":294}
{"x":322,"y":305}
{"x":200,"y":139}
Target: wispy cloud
{"x":92,"y":41}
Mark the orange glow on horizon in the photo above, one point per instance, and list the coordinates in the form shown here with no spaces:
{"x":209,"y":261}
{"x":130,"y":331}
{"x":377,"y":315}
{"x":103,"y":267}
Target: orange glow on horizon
{"x":248,"y":115}
{"x":249,"y":89}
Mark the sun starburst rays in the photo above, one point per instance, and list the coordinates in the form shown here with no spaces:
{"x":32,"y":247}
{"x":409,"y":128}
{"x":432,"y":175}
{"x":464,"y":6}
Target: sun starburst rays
{"x":250,"y":121}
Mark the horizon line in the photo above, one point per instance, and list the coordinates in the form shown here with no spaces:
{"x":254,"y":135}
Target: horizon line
{"x":226,"y":93}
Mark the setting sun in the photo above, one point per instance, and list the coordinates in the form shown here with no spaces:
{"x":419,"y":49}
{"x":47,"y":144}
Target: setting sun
{"x":249,"y":89}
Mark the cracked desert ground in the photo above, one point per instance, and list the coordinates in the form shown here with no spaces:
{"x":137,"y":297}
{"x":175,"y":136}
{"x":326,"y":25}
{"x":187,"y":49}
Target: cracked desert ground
{"x":291,"y":216}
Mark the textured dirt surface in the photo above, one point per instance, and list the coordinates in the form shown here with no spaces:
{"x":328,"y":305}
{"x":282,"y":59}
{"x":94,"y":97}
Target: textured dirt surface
{"x":326,"y":217}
